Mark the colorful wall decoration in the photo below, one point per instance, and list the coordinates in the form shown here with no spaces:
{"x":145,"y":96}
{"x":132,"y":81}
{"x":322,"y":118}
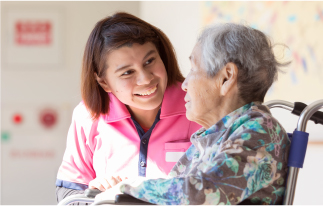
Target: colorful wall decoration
{"x":299,"y":25}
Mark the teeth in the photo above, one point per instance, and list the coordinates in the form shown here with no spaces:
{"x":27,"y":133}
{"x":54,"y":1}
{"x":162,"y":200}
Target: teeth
{"x":149,"y":92}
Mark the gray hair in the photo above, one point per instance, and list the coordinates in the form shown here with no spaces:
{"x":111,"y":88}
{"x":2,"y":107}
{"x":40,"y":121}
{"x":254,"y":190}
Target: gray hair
{"x":248,"y":48}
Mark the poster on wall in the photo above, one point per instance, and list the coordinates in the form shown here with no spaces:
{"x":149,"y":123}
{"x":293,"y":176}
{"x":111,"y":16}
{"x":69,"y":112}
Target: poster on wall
{"x":299,"y":25}
{"x":32,"y":38}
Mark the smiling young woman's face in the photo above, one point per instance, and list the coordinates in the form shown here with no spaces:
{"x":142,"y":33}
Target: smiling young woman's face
{"x":136,"y":75}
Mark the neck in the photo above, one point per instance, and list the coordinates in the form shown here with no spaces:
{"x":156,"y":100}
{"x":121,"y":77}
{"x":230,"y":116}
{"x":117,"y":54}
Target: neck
{"x":227,"y":105}
{"x":145,"y":118}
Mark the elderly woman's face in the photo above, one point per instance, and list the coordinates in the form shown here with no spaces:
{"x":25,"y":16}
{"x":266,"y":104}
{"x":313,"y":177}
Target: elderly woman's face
{"x":203,"y":93}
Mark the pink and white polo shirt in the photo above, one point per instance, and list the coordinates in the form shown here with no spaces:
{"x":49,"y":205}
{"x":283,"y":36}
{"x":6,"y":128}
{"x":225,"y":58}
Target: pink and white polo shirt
{"x":115,"y":144}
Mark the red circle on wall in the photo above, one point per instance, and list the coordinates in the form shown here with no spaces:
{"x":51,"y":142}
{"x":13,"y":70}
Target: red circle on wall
{"x":17,"y":118}
{"x":48,"y":118}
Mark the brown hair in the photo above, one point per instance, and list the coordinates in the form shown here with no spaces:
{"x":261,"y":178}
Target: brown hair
{"x":112,"y":33}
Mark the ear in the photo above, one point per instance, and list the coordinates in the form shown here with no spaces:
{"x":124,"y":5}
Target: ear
{"x":102,"y":82}
{"x":229,"y":76}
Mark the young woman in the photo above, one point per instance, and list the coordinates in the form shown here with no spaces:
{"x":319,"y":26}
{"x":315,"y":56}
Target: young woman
{"x":132,"y":120}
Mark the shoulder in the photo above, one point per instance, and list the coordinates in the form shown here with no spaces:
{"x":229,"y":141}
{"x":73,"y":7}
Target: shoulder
{"x":262,"y":115}
{"x":256,"y":120}
{"x":80,"y":111}
{"x":260,"y":125}
{"x":81,"y":115}
{"x":83,"y":126}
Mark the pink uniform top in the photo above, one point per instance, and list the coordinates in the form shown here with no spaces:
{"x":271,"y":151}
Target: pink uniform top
{"x":111,"y":145}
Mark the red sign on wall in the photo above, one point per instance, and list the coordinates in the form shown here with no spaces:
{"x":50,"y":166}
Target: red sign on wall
{"x":33,"y":32}
{"x":48,"y":118}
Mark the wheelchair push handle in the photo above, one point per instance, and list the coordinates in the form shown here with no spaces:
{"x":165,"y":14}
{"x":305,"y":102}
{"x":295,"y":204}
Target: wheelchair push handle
{"x":317,"y":117}
{"x":297,"y":108}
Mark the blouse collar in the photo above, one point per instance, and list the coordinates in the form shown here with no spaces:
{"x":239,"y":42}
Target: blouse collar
{"x":231,"y":121}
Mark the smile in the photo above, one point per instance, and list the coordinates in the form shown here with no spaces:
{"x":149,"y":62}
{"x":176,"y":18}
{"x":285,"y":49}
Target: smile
{"x":148,"y":92}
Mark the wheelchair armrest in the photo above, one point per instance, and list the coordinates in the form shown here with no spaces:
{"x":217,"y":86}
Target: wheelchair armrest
{"x":121,"y":199}
{"x":124,"y":199}
{"x":91,"y":193}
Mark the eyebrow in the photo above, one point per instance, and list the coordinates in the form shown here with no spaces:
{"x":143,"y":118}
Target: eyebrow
{"x":149,"y":53}
{"x":126,"y":66}
{"x":122,"y":68}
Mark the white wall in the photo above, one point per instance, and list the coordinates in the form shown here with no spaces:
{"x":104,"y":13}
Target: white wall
{"x":27,"y":90}
{"x":182,"y":22}
{"x":29,"y":177}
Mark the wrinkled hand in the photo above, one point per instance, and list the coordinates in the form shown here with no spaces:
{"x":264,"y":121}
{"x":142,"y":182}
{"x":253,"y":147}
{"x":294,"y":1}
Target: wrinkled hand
{"x":103,"y":184}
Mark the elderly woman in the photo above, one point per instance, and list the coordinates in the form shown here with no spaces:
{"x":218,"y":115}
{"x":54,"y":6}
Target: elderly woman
{"x":240,"y":154}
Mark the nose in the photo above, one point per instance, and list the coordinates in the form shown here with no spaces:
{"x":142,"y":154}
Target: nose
{"x":184,"y":85}
{"x":145,"y":77}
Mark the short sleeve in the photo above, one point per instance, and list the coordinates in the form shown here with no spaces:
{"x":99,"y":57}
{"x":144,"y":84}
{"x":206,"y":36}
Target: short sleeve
{"x":76,"y":170}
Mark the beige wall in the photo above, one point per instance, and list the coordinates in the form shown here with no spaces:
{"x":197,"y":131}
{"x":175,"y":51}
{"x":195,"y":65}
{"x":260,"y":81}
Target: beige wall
{"x":27,"y":89}
{"x":181,"y":22}
{"x":60,"y":83}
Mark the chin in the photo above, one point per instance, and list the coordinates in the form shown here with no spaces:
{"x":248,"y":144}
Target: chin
{"x":189,"y":116}
{"x":151,"y":106}
{"x":193,"y":117}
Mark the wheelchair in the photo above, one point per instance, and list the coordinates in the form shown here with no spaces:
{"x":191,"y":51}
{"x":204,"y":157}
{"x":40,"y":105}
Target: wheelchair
{"x":299,"y":140}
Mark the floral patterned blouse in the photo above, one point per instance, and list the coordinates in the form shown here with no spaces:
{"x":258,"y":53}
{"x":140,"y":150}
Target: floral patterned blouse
{"x":240,"y":159}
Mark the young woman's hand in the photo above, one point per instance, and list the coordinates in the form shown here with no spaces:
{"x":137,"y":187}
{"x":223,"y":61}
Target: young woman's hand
{"x":104,"y":184}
